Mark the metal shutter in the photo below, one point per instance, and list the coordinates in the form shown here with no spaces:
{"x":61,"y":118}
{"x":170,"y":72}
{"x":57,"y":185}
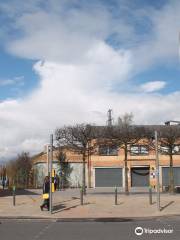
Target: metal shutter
{"x":165,"y":176}
{"x":108,"y":177}
{"x":140,"y":177}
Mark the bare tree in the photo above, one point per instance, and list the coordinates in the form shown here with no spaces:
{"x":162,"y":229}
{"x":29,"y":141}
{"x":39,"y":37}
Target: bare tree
{"x":65,"y":168}
{"x":124,"y":134}
{"x":78,"y":138}
{"x":19,"y":170}
{"x":11,"y":171}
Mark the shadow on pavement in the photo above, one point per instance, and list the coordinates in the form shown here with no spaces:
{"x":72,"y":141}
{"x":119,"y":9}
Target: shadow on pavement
{"x":167,"y":205}
{"x":120,"y":193}
{"x":68,"y":200}
{"x":58,"y":207}
{"x":61,"y":207}
{"x":7,"y":192}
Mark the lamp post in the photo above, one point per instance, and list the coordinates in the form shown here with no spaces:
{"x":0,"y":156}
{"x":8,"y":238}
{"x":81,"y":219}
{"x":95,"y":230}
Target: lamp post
{"x":48,"y":148}
{"x":50,"y":169}
{"x":157,"y":172}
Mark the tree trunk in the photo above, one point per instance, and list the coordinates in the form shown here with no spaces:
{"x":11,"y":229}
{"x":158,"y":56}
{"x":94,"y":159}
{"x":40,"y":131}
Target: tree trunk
{"x":171,"y":175}
{"x":27,"y":179}
{"x":89,"y":169}
{"x":84,"y":174}
{"x":126,"y":170}
{"x":61,"y":178}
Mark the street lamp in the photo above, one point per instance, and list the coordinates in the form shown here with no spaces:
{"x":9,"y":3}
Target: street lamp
{"x":50,"y":169}
{"x":154,"y":139}
{"x":47,"y":152}
{"x":157,"y":171}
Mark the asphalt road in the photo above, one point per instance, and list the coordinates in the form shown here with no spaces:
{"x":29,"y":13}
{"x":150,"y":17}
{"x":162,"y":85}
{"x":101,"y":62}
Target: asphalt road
{"x":53,"y":230}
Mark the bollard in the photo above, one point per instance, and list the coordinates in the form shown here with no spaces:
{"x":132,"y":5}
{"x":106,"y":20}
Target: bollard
{"x":14,"y":195}
{"x":115,"y":195}
{"x":81,"y":195}
{"x":150,"y":195}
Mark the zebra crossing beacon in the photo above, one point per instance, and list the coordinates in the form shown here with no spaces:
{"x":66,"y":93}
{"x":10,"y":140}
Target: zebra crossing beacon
{"x":53,"y":176}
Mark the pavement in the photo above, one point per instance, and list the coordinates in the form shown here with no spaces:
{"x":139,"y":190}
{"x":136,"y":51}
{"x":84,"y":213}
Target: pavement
{"x":98,"y":204}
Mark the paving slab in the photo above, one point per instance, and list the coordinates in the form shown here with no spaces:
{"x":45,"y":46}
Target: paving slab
{"x":97,"y":205}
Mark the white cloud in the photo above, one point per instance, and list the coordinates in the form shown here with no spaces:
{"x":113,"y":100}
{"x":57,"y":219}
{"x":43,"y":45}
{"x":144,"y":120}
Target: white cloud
{"x":79,"y":72}
{"x":69,"y":94}
{"x":50,"y":35}
{"x":162,"y":42}
{"x":152,"y":86}
{"x":18,"y":81}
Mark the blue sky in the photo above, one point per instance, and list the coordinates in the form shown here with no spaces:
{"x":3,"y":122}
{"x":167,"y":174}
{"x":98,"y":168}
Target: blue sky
{"x":12,"y":68}
{"x":79,"y":58}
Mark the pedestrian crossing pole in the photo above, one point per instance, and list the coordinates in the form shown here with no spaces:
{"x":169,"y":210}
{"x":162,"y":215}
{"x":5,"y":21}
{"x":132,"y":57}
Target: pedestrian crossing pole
{"x":51,"y":160}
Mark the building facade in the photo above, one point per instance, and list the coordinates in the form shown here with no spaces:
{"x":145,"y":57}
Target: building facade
{"x":105,"y":166}
{"x":40,"y":167}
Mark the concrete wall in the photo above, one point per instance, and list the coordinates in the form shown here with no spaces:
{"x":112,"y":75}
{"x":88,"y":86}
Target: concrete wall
{"x":40,"y":171}
{"x":75,"y":178}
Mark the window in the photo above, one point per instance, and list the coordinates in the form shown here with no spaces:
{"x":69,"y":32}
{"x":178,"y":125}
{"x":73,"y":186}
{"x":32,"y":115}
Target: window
{"x":165,"y":149}
{"x":144,"y":150}
{"x":134,"y":150}
{"x":176,"y":149}
{"x":108,"y":150}
{"x":139,"y":150}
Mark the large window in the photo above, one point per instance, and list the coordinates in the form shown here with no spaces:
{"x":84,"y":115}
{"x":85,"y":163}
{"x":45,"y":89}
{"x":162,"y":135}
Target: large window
{"x":108,"y":150}
{"x":176,"y":149}
{"x":139,"y":150}
{"x":165,"y":149}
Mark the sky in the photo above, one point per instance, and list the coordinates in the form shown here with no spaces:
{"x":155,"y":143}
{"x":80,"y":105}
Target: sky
{"x":68,"y":61}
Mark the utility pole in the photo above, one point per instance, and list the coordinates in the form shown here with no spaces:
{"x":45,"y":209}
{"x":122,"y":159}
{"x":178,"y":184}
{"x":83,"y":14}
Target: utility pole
{"x":110,"y":119}
{"x":157,"y":172}
{"x":50,"y":169}
{"x":48,"y":173}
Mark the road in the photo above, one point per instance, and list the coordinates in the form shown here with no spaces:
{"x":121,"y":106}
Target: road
{"x":53,"y":230}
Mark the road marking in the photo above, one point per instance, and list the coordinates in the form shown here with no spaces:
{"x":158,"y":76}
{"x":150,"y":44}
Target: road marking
{"x":42,"y":232}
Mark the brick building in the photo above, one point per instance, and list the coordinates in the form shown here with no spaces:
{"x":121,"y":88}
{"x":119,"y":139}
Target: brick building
{"x":105,"y":166}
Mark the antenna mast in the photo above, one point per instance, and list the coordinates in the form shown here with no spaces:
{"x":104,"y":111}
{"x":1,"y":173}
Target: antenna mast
{"x":110,"y":119}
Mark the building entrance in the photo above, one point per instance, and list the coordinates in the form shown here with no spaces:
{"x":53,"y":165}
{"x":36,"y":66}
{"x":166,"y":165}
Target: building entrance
{"x":140,"y":176}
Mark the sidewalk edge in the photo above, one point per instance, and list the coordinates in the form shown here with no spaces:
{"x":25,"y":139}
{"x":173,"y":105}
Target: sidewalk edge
{"x":103,"y":219}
